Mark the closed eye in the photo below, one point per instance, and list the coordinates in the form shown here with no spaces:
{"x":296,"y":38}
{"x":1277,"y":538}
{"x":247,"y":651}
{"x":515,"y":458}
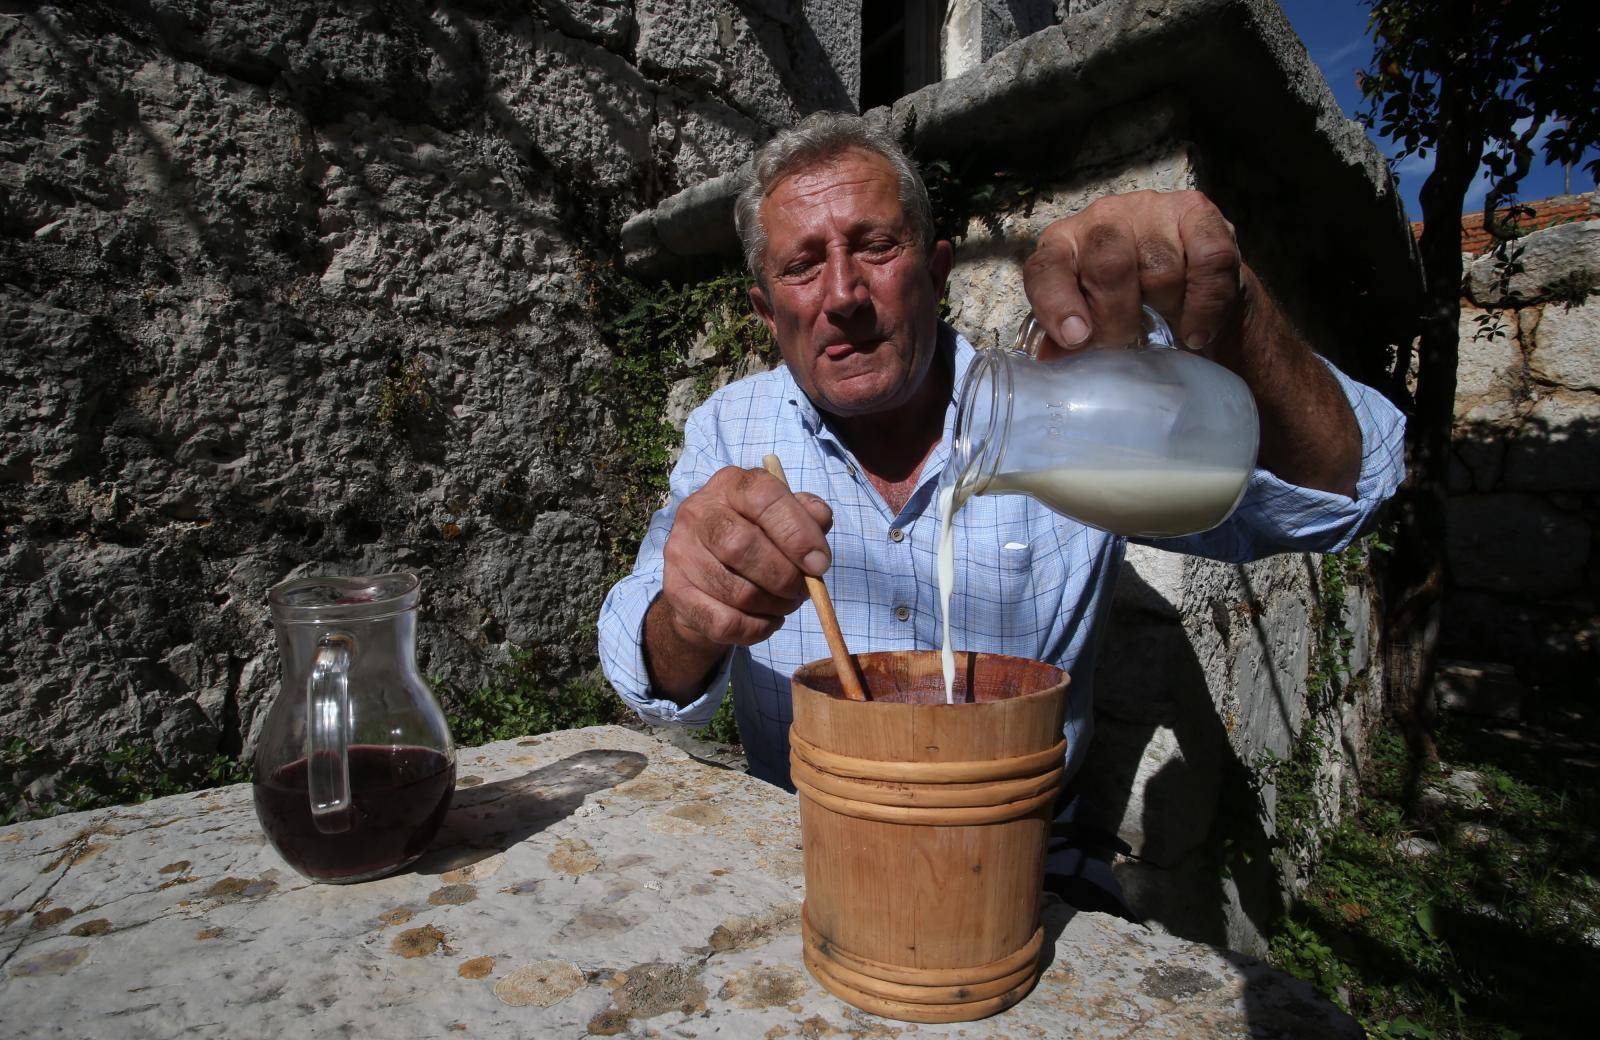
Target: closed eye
{"x":880,"y":249}
{"x":798,"y":270}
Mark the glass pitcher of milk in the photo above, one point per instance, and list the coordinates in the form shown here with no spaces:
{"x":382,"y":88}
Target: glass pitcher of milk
{"x":1149,"y":440}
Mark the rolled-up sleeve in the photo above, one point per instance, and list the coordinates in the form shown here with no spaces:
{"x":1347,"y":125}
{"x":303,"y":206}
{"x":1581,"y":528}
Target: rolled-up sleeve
{"x":622,"y":613}
{"x":1275,"y":516}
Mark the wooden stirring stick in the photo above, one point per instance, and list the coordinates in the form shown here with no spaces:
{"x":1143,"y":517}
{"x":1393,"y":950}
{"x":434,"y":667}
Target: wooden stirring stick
{"x":843,"y":663}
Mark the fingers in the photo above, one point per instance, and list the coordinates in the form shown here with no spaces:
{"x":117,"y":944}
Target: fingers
{"x":1162,"y":273}
{"x":1108,"y":269}
{"x":1050,"y":279}
{"x":1083,"y":280}
{"x":1212,"y":276}
{"x":783,"y":522}
{"x":1091,"y":271}
{"x":820,"y":511}
{"x":738,"y":555}
{"x":708,"y":618}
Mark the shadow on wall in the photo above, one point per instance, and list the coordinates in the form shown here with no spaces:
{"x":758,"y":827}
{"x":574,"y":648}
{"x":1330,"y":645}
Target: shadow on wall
{"x":1200,"y":839}
{"x":1523,"y":512}
{"x":821,"y":88}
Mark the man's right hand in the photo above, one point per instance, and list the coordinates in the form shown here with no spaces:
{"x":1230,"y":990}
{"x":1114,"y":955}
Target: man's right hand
{"x":735,"y":567}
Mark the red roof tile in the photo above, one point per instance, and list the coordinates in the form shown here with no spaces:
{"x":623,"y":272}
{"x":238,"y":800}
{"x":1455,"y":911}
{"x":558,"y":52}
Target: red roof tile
{"x":1557,"y":209}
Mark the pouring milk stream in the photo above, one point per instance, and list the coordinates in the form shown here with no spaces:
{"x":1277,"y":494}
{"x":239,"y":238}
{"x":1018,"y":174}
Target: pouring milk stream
{"x":1146,"y":441}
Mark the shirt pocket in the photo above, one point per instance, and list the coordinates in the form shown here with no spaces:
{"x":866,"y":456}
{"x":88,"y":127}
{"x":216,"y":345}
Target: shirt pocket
{"x":1009,"y":591}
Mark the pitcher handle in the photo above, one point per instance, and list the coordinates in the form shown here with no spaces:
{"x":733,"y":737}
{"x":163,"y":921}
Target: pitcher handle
{"x":328,"y":708}
{"x":1153,"y":332}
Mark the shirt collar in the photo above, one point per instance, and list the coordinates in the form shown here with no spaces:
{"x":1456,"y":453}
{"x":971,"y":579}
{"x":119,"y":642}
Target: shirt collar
{"x":953,"y":345}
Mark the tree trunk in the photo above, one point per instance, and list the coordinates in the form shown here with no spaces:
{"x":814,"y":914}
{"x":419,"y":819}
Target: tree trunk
{"x":1418,"y":570}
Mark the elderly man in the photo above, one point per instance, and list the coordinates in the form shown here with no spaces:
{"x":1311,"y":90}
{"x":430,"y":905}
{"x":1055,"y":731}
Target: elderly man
{"x":837,"y":231}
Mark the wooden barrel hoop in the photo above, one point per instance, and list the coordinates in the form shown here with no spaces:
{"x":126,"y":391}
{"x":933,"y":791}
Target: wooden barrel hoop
{"x":933,"y":816}
{"x":852,"y":965}
{"x":910,"y":1011}
{"x":927,"y":772}
{"x":1000,"y":792}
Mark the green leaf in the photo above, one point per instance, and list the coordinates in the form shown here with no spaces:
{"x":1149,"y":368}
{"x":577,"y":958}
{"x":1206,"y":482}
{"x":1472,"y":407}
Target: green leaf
{"x":1426,"y":922}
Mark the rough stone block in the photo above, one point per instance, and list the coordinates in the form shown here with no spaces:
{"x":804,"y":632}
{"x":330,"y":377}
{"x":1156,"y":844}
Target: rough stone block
{"x":1157,"y":793}
{"x":986,"y":299}
{"x":1476,"y":459}
{"x":1268,"y":669}
{"x":719,"y":47}
{"x":1566,"y":345}
{"x":606,"y":21}
{"x":1515,"y":543}
{"x":1478,"y":688}
{"x":1489,"y":374}
{"x":707,"y":139}
{"x":976,"y":30}
{"x":1547,"y":259}
{"x":1152,"y":581}
{"x":1360,"y":620}
{"x":585,"y":109}
{"x":1557,"y":446}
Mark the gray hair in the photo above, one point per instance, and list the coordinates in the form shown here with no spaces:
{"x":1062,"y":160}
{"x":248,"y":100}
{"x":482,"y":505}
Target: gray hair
{"x":820,"y":138}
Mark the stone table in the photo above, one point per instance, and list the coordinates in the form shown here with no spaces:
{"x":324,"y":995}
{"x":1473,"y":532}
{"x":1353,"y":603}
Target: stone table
{"x":589,"y":882}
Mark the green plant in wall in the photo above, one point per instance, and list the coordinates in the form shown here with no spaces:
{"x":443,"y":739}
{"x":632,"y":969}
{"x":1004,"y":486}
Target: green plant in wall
{"x":405,"y":393}
{"x":967,"y":187}
{"x":658,"y":334}
{"x":1300,"y":779}
{"x":129,"y":772}
{"x":517,"y":702}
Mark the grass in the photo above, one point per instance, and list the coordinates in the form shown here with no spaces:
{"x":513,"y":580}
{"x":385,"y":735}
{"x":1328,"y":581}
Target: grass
{"x":128,"y":773}
{"x":723,"y":728}
{"x":1485,"y":931}
{"x":517,"y":703}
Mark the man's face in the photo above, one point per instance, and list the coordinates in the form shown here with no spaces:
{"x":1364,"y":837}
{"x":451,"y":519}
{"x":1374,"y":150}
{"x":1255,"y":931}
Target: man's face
{"x":850,"y":297}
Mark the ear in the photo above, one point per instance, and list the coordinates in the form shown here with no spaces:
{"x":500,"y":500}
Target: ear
{"x":758,"y":300}
{"x":940,"y":259}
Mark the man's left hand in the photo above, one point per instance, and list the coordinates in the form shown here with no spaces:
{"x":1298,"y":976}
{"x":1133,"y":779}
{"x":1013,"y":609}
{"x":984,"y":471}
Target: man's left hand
{"x":1174,"y":251}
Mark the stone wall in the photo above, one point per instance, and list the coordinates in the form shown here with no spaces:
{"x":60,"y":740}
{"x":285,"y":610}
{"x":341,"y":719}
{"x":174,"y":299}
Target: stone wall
{"x":291,"y":287}
{"x":1525,"y":477}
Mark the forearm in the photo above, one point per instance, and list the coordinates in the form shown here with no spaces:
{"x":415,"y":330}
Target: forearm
{"x":679,"y":664}
{"x":1309,"y":435}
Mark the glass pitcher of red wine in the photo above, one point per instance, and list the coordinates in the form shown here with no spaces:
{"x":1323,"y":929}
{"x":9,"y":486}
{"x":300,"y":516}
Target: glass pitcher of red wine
{"x":355,"y":767}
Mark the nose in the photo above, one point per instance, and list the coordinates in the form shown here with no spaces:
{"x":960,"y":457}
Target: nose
{"x":845,"y":290}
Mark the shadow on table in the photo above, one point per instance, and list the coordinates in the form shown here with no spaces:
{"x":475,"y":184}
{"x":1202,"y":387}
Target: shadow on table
{"x":1278,"y":1004}
{"x":1056,"y":916}
{"x":495,"y":816}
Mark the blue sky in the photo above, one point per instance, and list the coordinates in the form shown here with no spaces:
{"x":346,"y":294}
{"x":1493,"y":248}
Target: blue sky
{"x":1334,"y":32}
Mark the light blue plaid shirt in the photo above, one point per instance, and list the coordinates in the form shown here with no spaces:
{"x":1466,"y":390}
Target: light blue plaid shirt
{"x":1033,"y":583}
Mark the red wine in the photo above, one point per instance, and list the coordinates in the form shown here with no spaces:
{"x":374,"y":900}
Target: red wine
{"x":398,"y":798}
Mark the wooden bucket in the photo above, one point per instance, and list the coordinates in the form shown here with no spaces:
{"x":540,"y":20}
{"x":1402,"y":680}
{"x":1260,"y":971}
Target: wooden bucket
{"x":924,"y":826}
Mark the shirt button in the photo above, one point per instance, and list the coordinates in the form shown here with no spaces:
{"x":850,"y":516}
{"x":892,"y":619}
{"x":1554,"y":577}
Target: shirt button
{"x":851,"y":468}
{"x":896,"y":534}
{"x":902,"y":612}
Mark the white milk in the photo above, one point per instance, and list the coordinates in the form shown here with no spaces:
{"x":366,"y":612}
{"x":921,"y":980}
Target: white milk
{"x":947,"y":580}
{"x":1130,"y":501}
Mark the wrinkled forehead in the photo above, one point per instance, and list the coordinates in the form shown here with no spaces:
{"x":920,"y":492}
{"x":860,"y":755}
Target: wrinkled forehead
{"x":842,"y":185}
